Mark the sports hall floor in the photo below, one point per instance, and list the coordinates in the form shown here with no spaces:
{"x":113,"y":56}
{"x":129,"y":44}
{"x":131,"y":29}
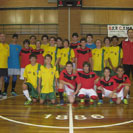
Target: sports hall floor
{"x":17,"y":118}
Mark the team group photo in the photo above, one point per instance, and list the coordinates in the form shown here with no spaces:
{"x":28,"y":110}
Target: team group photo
{"x":63,"y":80}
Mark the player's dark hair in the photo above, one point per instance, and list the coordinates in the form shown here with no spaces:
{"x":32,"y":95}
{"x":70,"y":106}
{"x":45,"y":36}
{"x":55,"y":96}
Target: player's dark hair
{"x":32,"y":55}
{"x":49,"y":56}
{"x":107,"y":68}
{"x":75,"y":34}
{"x":129,"y":30}
{"x":98,"y":40}
{"x":59,"y":38}
{"x":83,"y":39}
{"x":86,"y":63}
{"x":52,"y":37}
{"x":33,"y":36}
{"x":119,"y":67}
{"x":66,"y":40}
{"x":15,"y":36}
{"x":115,"y":38}
{"x":69,"y":63}
{"x":106,"y":38}
{"x":89,"y":35}
{"x":45,"y":35}
{"x":26,"y":41}
{"x":39,"y":41}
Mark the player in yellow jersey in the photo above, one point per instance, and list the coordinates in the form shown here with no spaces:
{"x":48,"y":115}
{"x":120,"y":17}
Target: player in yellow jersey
{"x":115,"y":55}
{"x":107,"y":47}
{"x":33,"y":42}
{"x":47,"y":74}
{"x":31,"y":80}
{"x":98,"y":58}
{"x":52,"y":50}
{"x":4,"y":54}
{"x":45,"y":42}
{"x":66,"y":54}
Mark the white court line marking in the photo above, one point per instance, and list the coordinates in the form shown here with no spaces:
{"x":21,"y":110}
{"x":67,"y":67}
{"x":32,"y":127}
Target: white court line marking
{"x":35,"y":125}
{"x":70,"y":119}
{"x":45,"y":126}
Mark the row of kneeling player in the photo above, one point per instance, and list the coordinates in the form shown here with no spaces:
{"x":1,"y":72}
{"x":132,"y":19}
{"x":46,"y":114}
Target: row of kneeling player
{"x":41,"y":82}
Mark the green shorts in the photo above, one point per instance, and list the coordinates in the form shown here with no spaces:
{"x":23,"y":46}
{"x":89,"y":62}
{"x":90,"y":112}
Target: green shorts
{"x":99,"y":73}
{"x":32,"y":91}
{"x":50,"y":96}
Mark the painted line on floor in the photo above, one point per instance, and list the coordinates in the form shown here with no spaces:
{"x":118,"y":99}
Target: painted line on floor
{"x":70,"y":119}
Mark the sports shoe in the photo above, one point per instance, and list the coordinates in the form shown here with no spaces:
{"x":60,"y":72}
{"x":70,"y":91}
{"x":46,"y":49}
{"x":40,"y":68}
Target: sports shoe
{"x":28,"y":102}
{"x":111,"y":101}
{"x":100,"y":102}
{"x":4,"y":94}
{"x":125,"y":101}
{"x":14,"y":93}
{"x":61,"y":102}
{"x":91,"y":101}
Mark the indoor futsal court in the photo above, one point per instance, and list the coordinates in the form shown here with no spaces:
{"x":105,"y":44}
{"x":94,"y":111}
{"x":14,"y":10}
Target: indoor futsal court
{"x":66,"y":66}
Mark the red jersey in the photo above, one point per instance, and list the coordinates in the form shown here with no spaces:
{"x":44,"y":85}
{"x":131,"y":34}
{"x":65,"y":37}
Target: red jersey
{"x":87,"y":79}
{"x":25,"y":53}
{"x":74,"y":46}
{"x":82,"y":55}
{"x":39,"y":54}
{"x":108,"y":85}
{"x":70,"y":78}
{"x":124,"y":79}
{"x":127,"y":47}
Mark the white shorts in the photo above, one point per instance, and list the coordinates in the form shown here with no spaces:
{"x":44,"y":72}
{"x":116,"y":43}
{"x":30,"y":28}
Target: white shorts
{"x":88,"y":92}
{"x":106,"y":92}
{"x":22,"y":73}
{"x":13,"y":71}
{"x":120,"y":94}
{"x":68,"y":90}
{"x":79,"y":69}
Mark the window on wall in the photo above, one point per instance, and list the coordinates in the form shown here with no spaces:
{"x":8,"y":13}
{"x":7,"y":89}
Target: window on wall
{"x":50,"y":29}
{"x":95,"y":29}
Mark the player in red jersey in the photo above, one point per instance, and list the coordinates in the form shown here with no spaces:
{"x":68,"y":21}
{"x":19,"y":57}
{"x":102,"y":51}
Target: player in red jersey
{"x":24,"y":54}
{"x":39,"y":52}
{"x":75,"y":43}
{"x":67,"y":82}
{"x":83,"y":54}
{"x":106,"y":87}
{"x":123,"y":83}
{"x":88,"y":80}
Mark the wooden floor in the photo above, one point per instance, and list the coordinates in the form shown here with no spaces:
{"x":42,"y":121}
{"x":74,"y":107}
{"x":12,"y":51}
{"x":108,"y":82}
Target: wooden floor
{"x":17,"y":118}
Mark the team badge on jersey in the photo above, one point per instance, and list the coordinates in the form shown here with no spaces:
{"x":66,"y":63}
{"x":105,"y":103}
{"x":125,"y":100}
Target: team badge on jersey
{"x":29,"y":72}
{"x":72,"y":78}
{"x":16,"y":49}
{"x":109,"y":84}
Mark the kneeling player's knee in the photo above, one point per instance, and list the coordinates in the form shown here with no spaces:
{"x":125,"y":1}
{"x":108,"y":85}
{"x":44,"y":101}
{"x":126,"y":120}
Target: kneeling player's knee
{"x":41,"y":101}
{"x":94,"y":97}
{"x":24,"y":87}
{"x":127,"y":88}
{"x":81,"y":96}
{"x":34,"y":100}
